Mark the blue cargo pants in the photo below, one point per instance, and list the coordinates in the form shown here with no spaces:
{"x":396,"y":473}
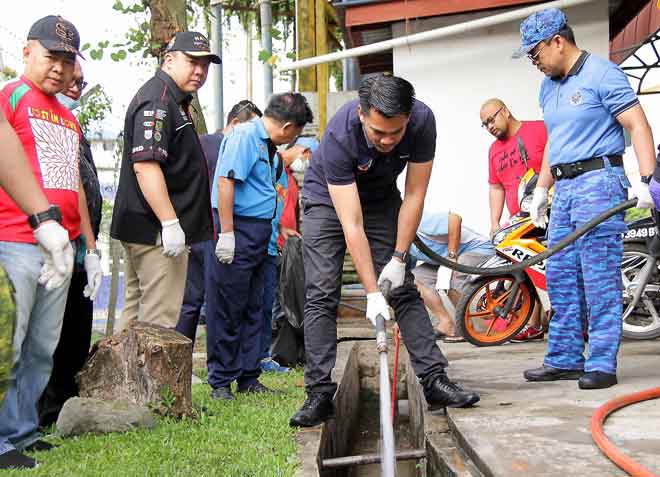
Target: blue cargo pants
{"x":584,"y":279}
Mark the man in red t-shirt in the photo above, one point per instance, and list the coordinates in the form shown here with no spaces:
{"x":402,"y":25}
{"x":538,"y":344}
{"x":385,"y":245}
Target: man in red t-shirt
{"x":505,"y":169}
{"x":49,"y":134}
{"x":505,"y":164}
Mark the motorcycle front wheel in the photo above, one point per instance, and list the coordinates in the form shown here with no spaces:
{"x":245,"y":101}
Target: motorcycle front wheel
{"x":643,"y":321}
{"x":476,"y":315}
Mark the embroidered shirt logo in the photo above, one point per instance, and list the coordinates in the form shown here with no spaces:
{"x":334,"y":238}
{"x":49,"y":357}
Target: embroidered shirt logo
{"x":576,"y":99}
{"x":365,"y":166}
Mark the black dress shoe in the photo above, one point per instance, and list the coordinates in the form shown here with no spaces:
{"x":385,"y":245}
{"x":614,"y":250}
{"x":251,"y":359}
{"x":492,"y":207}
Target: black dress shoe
{"x":318,"y":407}
{"x":597,"y":380}
{"x":223,"y":393}
{"x":546,"y":373}
{"x":15,"y":460}
{"x":257,"y":388}
{"x":39,"y":446}
{"x":444,"y":393}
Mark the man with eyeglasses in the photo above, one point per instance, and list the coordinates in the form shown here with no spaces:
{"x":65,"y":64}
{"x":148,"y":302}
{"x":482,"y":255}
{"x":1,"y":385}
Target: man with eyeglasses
{"x":193,"y":296}
{"x":245,"y":195}
{"x":73,"y":346}
{"x":587,"y":102}
{"x":163,"y":202}
{"x":506,"y":163}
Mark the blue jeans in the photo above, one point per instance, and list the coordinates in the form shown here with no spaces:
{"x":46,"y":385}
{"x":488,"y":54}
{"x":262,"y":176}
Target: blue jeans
{"x":271,"y":285}
{"x":39,"y":321}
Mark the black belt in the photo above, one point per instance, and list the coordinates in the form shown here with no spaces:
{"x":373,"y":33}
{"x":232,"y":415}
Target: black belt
{"x":574,"y":169}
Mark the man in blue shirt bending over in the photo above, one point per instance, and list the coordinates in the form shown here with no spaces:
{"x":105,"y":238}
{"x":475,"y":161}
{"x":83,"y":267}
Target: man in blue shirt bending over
{"x":244,"y":193}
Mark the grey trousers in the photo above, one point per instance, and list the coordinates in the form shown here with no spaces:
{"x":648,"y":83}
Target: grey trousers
{"x":324,"y":249}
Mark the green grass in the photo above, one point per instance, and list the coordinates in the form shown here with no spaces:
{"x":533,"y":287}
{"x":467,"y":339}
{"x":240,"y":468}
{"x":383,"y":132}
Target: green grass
{"x":247,"y":437}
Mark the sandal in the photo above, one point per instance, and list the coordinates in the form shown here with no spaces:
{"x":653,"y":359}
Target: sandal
{"x":453,"y":339}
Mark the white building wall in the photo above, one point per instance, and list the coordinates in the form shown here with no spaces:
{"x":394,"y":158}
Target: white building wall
{"x":455,"y":75}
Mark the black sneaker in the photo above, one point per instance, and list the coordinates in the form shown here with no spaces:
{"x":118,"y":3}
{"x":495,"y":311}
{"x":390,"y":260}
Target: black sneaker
{"x":40,"y":446}
{"x":256,"y":388}
{"x":444,"y":393}
{"x":223,"y":393}
{"x":318,"y":407}
{"x":15,"y":460}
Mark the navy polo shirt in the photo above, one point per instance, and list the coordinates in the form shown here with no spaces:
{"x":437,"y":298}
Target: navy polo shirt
{"x":247,"y":156}
{"x":345,"y":156}
{"x":580,"y":110}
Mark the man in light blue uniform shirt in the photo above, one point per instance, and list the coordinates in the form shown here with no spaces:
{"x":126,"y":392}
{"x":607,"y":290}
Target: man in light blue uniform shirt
{"x":244,"y":192}
{"x":586,"y":101}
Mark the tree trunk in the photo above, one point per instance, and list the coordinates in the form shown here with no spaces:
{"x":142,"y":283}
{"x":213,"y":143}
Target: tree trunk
{"x":144,"y":364}
{"x":167,"y":18}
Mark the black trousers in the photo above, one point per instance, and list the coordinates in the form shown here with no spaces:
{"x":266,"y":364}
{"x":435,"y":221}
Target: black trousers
{"x":71,"y":351}
{"x":324,"y":249}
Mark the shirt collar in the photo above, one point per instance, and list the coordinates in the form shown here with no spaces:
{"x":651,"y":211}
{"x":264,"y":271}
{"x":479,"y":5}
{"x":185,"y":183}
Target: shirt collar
{"x":179,"y":96}
{"x":261,"y":129}
{"x":575,"y":69}
{"x":370,"y":144}
{"x":577,"y":66}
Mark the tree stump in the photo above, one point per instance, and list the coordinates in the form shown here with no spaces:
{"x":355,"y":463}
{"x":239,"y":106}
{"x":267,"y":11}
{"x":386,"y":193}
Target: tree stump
{"x":144,"y":364}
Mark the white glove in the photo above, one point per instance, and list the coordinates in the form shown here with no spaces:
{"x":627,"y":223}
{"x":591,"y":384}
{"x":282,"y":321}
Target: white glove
{"x":376,"y":305}
{"x":644,"y":199}
{"x":443,"y":279}
{"x":538,"y":210}
{"x":174,"y":238}
{"x":94,"y":275}
{"x":395,"y":272}
{"x":224,"y":249}
{"x":53,"y":240}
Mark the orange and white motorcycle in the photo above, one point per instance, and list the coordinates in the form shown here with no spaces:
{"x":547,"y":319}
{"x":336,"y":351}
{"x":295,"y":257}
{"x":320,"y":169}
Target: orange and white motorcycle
{"x":493,"y":309}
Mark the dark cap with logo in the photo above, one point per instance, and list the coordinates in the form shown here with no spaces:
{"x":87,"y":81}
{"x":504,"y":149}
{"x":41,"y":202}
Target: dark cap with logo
{"x":56,"y":34}
{"x":194,"y":44}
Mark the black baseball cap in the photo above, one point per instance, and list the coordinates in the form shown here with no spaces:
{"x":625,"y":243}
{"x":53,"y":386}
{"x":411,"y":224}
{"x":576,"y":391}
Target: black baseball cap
{"x":192,"y":43}
{"x":56,"y":34}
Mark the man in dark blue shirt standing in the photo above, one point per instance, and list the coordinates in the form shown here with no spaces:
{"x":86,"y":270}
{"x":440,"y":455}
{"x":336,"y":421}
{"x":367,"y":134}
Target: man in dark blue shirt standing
{"x":351,"y":200}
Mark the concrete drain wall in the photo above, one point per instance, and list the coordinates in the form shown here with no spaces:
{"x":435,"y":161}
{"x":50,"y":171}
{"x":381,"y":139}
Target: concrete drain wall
{"x":356,"y":428}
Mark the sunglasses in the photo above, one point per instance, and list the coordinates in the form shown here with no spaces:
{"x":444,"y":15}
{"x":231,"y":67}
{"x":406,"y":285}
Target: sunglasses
{"x":491,"y":119}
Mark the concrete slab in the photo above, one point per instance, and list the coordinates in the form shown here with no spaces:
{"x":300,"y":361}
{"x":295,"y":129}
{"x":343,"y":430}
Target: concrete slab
{"x":543,"y":429}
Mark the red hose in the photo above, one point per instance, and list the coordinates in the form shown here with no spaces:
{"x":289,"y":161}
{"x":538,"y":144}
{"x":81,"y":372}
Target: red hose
{"x":612,"y":452}
{"x":397,"y":345}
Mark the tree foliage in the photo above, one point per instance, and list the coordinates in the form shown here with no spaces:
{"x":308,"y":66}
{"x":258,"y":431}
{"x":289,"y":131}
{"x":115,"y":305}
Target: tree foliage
{"x":95,"y":106}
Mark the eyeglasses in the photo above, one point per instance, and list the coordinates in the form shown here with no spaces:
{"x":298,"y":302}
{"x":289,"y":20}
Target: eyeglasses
{"x":534,"y":58}
{"x":248,"y":104}
{"x":81,"y":84}
{"x":491,"y":119}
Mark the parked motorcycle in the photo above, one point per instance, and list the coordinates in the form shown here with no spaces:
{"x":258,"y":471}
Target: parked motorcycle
{"x":493,"y":309}
{"x":641,"y":279}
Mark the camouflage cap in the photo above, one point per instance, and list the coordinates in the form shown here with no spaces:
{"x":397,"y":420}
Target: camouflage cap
{"x":537,"y":27}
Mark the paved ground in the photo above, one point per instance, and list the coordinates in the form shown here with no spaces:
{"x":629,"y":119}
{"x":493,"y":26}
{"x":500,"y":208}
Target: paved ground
{"x":542,"y":429}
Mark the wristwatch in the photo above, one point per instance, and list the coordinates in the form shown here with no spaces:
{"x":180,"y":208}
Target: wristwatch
{"x":452,"y":255}
{"x":53,"y":213}
{"x":647,"y":179}
{"x":95,"y":251}
{"x":403,"y":256}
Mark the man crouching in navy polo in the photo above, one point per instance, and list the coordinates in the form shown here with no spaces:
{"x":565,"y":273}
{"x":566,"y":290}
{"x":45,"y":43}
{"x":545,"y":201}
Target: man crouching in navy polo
{"x":244,"y":191}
